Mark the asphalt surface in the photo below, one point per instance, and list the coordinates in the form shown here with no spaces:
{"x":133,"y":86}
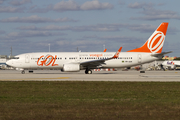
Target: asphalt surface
{"x":56,"y":75}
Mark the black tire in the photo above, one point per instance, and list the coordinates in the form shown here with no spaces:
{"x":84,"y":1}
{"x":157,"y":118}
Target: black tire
{"x":86,"y":71}
{"x":23,"y":72}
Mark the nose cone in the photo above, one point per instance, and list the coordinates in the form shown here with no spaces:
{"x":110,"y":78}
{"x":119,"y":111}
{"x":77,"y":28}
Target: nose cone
{"x":10,"y":63}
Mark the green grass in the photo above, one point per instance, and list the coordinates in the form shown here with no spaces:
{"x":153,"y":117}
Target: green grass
{"x":89,"y":100}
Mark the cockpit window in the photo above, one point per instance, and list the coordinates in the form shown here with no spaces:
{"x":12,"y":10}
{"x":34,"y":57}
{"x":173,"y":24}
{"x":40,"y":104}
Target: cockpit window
{"x":15,"y":58}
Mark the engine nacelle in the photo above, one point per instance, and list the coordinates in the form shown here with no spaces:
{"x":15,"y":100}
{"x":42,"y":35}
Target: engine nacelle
{"x":71,"y":67}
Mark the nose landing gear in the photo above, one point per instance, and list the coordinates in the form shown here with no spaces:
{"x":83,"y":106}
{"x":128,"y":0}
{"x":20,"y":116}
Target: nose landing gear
{"x":23,"y":72}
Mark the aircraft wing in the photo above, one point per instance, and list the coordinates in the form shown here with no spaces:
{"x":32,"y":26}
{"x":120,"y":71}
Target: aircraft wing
{"x":99,"y":62}
{"x":93,"y":64}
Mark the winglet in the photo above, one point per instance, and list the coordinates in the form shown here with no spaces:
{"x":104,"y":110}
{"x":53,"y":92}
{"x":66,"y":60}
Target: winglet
{"x":117,"y":53}
{"x":104,"y":50}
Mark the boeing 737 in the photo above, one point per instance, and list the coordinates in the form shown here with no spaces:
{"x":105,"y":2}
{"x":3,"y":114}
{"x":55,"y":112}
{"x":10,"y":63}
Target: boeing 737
{"x":76,"y":61}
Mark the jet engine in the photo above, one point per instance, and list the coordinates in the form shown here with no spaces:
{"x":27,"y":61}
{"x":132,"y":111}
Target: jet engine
{"x":71,"y":68}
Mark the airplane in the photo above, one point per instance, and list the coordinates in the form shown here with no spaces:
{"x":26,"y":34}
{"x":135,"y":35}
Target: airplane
{"x":170,"y":64}
{"x":76,"y":61}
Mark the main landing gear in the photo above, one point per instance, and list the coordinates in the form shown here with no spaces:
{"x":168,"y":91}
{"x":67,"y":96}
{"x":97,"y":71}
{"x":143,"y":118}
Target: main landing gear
{"x":88,"y":71}
{"x":23,"y":71}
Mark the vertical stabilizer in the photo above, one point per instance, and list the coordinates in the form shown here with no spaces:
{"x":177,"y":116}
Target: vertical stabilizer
{"x":155,"y":43}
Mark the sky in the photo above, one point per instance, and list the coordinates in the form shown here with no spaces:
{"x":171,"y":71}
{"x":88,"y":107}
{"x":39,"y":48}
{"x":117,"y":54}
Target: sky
{"x":86,"y":25}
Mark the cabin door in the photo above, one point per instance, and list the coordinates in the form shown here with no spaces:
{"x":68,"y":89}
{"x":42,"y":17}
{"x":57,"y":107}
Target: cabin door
{"x":27,"y":58}
{"x":139,"y":58}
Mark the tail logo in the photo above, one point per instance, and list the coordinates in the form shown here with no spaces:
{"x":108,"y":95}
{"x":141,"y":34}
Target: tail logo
{"x":155,"y":42}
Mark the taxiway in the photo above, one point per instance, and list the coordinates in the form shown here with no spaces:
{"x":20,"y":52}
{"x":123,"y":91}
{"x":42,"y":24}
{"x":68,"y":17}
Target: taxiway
{"x":56,"y":75}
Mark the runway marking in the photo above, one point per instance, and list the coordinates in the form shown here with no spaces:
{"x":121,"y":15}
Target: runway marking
{"x":159,"y":76}
{"x":56,"y":78}
{"x":34,"y":79}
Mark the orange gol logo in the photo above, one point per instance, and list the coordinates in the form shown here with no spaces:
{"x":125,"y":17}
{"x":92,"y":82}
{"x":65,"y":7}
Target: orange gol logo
{"x":155,"y":43}
{"x":47,"y":60}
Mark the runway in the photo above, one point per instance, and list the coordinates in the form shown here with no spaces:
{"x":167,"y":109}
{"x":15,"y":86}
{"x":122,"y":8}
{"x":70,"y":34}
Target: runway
{"x":56,"y":75}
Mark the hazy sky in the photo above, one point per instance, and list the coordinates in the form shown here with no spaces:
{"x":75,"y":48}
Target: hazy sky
{"x":31,"y":25}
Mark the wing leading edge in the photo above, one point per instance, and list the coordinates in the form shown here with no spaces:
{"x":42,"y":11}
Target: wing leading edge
{"x":99,"y":62}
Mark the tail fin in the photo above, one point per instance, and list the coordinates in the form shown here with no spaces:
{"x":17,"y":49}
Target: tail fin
{"x":155,"y":43}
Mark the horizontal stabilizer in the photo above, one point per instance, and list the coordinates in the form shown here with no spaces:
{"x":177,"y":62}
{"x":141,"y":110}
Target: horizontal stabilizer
{"x":159,"y":54}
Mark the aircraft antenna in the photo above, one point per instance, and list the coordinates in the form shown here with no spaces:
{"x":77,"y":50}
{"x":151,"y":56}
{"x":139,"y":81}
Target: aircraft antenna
{"x":11,"y":51}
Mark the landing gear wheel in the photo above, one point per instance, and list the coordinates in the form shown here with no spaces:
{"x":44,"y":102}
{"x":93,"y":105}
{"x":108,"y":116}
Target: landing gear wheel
{"x":22,"y":72}
{"x":142,"y":71}
{"x":88,"y":72}
{"x":30,"y":71}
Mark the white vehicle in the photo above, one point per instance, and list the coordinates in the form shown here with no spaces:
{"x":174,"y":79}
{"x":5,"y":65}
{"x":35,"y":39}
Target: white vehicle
{"x":171,"y":64}
{"x":76,"y":61}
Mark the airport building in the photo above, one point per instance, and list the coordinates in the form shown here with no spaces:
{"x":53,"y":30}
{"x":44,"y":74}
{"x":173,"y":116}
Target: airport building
{"x":3,"y":59}
{"x":168,"y":58}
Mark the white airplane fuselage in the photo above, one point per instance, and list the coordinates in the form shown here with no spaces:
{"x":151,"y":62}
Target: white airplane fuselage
{"x":57,"y":60}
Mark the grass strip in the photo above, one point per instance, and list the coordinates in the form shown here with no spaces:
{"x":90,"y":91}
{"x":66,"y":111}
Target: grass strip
{"x":89,"y":100}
